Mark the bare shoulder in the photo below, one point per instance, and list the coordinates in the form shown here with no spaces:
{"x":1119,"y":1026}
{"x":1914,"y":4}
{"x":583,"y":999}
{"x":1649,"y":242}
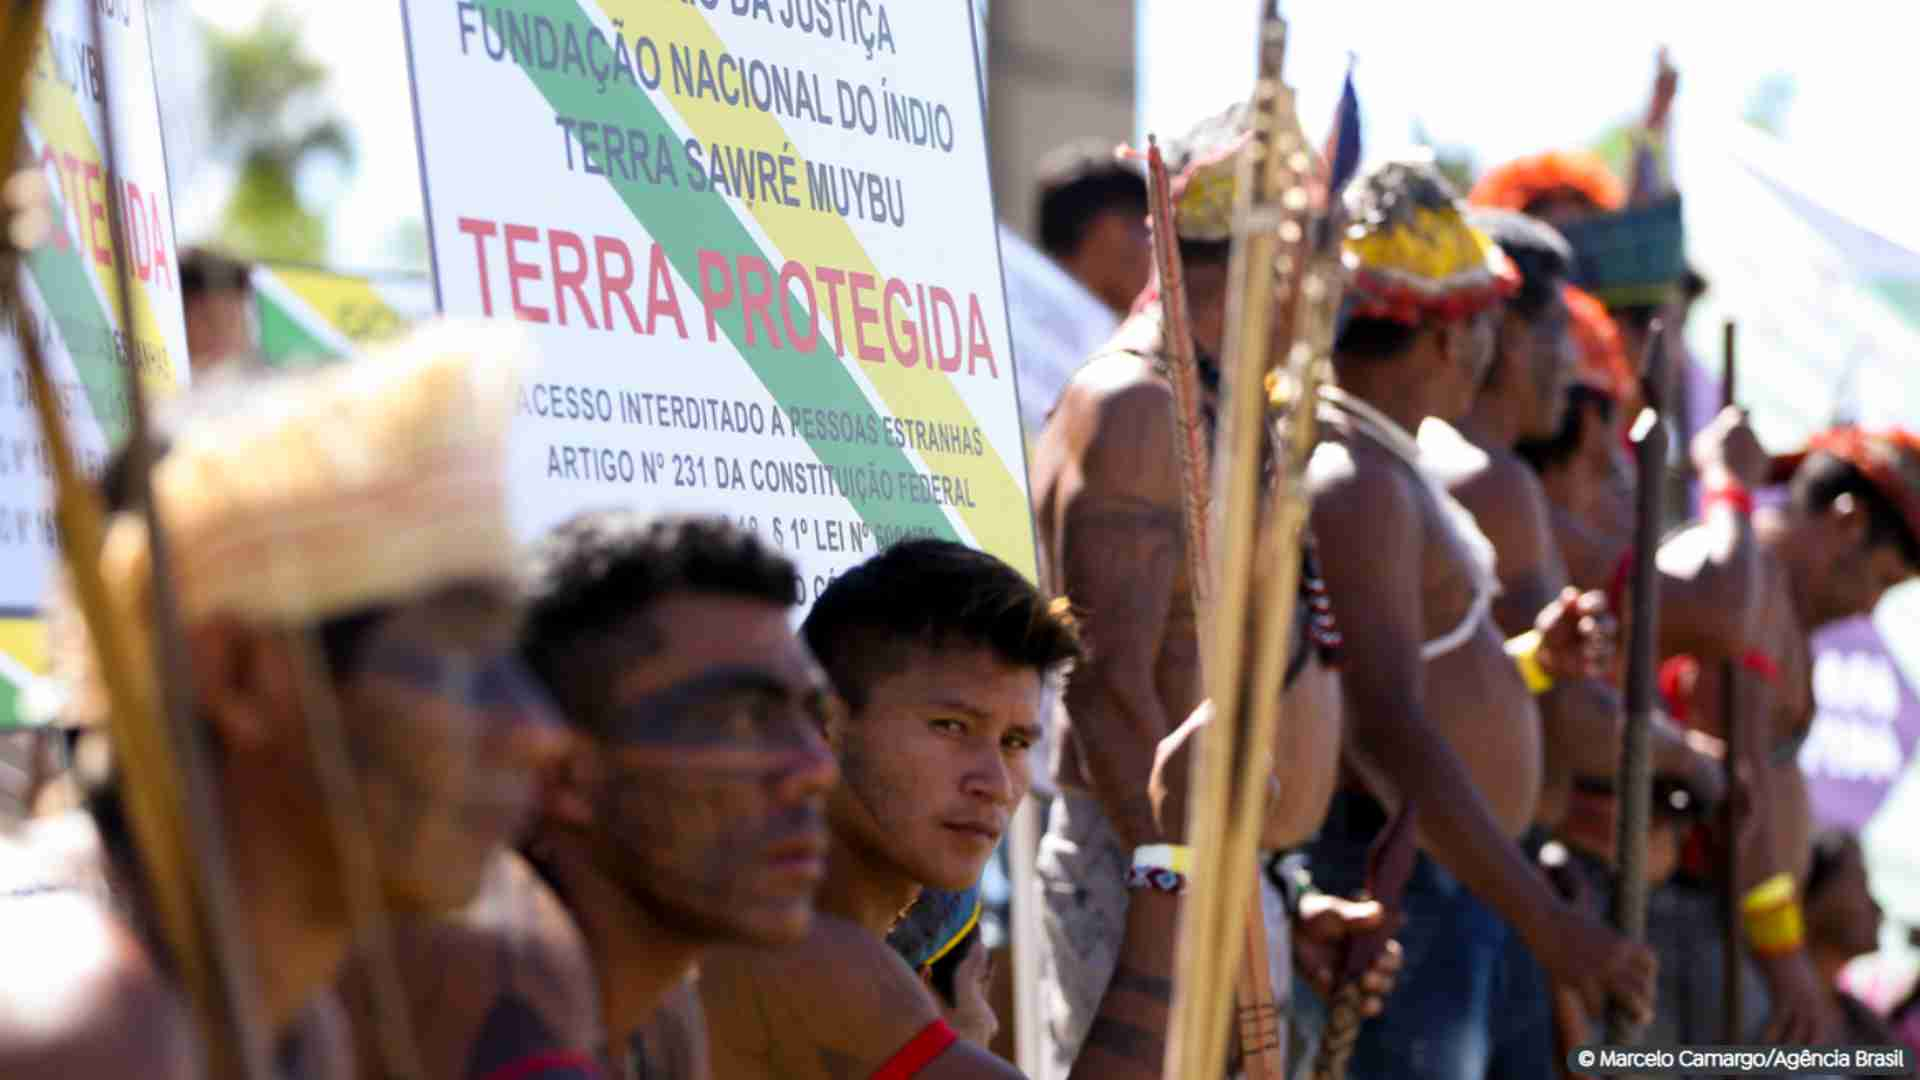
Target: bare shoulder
{"x":839,"y":1003}
{"x":1117,"y":406}
{"x":1353,"y":482}
{"x":1510,"y":505}
{"x":506,"y":978}
{"x":1503,"y":484}
{"x":517,"y":909}
{"x":80,"y":997}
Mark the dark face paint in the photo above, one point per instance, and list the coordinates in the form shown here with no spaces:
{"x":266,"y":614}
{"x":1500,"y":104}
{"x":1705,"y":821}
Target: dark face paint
{"x":448,"y":735}
{"x":712,"y":812}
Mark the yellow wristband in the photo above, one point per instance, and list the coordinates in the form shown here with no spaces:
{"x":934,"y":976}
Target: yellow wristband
{"x":1175,"y":857}
{"x":1525,"y":651}
{"x":1769,"y":894}
{"x":1772,"y":915}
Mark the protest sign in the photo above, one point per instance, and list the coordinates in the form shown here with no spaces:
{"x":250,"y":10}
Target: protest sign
{"x":755,"y":241}
{"x":309,"y":315}
{"x":71,"y":292}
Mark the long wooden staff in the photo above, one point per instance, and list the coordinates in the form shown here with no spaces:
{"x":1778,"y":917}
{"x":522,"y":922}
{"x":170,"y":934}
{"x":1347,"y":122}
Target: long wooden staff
{"x":1635,"y":786}
{"x":1258,"y":1043}
{"x":163,"y":773}
{"x":1184,"y":374}
{"x":1273,"y":270}
{"x":1733,"y":999}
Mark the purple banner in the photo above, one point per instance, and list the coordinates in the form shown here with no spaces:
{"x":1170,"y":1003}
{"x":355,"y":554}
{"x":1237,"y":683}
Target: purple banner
{"x":1864,"y":730}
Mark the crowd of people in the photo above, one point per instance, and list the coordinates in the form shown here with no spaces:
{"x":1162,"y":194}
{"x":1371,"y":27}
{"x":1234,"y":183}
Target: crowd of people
{"x":595,"y":806}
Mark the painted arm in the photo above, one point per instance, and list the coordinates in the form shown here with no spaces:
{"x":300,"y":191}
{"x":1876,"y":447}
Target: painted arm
{"x":1122,"y":548}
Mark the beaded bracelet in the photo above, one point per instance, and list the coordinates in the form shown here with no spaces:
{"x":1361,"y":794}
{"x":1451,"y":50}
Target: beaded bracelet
{"x":1153,"y":877}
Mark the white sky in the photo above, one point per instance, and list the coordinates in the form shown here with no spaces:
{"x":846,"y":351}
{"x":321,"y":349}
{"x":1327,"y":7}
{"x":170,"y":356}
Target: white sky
{"x":1500,"y":77}
{"x":1508,"y":77}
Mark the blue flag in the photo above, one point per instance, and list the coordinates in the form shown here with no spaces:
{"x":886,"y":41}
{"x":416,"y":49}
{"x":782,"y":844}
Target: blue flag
{"x":1343,"y":142}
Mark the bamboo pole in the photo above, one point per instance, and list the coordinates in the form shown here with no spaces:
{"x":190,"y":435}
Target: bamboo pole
{"x":1274,"y":272}
{"x":1258,"y":1041}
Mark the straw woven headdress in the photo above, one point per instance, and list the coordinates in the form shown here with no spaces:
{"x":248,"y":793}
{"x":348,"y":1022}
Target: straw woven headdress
{"x":304,"y":495}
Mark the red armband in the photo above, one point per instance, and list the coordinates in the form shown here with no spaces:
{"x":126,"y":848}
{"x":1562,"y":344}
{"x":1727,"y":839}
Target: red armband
{"x":932,"y":1041}
{"x":1760,"y":664}
{"x":554,"y":1065}
{"x":1677,"y":677}
{"x":1730,"y":493}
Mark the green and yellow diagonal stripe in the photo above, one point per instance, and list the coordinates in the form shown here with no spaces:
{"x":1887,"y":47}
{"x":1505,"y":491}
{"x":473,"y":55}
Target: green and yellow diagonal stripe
{"x":684,"y":221}
{"x":309,"y":315}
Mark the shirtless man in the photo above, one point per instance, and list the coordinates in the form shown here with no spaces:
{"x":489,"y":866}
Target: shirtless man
{"x":690,"y":813}
{"x":1437,"y":711}
{"x":1526,"y":396}
{"x":942,"y":653}
{"x":1847,"y":533}
{"x":1107,"y":494}
{"x":265,"y":483}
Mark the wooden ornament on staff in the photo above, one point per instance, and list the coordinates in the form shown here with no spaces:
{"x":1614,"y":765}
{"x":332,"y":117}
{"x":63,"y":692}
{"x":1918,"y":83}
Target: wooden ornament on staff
{"x":1284,"y":265}
{"x":1635,"y":786}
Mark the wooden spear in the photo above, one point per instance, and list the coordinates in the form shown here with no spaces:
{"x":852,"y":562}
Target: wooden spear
{"x":1635,"y":786}
{"x":1732,"y":945}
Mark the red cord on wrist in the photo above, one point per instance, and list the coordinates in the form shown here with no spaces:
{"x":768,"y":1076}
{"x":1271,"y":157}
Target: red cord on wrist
{"x":1731,"y":493}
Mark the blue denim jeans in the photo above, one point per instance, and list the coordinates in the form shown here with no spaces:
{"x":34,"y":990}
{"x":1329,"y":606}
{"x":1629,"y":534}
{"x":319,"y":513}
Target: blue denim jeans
{"x":1471,"y":1002}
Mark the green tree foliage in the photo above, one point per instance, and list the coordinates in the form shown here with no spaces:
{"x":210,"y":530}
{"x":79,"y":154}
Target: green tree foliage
{"x":268,"y":113}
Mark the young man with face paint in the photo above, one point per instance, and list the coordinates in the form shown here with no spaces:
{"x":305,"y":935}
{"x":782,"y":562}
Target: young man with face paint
{"x":356,"y":515}
{"x":942,"y":653}
{"x":691,"y":812}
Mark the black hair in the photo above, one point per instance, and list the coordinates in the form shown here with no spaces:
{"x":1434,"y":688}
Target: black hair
{"x":1823,"y":478}
{"x":203,"y":271}
{"x":1693,"y":284}
{"x":1205,"y":252}
{"x":591,"y":578}
{"x":1078,"y":183}
{"x":933,"y":594}
{"x":1637,"y":317}
{"x":1560,"y":447}
{"x":944,"y":970}
{"x":1536,"y":249}
{"x":1830,"y":848}
{"x":1373,"y":339}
